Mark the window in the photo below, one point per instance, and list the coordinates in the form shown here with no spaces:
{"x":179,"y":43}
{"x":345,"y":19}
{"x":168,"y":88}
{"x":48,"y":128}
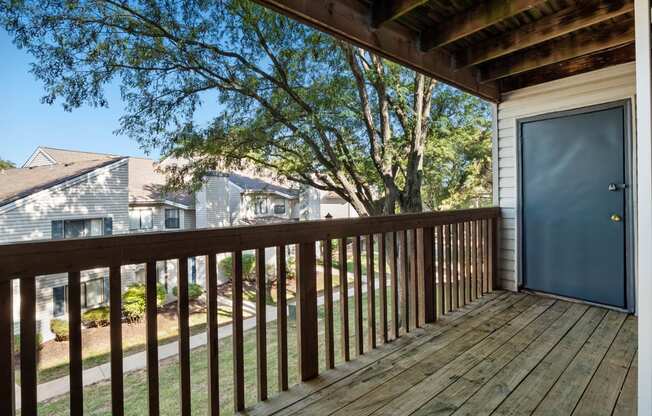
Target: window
{"x":172,"y":218}
{"x":279,"y":209}
{"x":82,"y":228}
{"x":59,"y":304}
{"x":141,"y":219}
{"x":260,"y":206}
{"x":193,"y":270}
{"x":95,"y":293}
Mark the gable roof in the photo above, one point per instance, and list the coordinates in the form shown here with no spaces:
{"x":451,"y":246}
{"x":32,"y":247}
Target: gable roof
{"x":21,"y":182}
{"x":249,"y":184}
{"x":147,"y":183}
{"x":54,"y":156}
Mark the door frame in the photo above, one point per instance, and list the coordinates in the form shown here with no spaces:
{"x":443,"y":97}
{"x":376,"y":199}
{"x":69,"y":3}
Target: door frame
{"x":630,"y":219}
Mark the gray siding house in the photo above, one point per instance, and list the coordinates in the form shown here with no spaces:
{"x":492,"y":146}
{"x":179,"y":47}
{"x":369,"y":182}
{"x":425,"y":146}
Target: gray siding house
{"x":59,"y":194}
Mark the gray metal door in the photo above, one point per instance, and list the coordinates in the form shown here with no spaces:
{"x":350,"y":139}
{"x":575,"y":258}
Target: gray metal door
{"x":574,"y":204}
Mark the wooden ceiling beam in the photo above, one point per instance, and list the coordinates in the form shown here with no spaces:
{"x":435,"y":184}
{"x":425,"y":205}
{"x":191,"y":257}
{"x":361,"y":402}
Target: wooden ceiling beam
{"x":569,"y":68}
{"x":480,"y":16}
{"x":563,"y":49}
{"x":384,"y":11}
{"x":349,"y":21}
{"x":563,"y":22}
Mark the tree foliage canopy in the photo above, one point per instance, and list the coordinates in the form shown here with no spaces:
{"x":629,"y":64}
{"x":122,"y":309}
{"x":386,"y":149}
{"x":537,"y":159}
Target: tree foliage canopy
{"x":6,"y":164}
{"x":286,"y":98}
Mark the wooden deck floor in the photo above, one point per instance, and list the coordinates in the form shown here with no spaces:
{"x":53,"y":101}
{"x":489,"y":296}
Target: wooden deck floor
{"x":506,"y":354}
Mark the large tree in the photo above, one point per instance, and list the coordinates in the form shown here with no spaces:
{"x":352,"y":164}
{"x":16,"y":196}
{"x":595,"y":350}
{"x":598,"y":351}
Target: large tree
{"x":6,"y":164}
{"x":287,"y":98}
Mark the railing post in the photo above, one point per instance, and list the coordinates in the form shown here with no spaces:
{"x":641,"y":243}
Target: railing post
{"x":427,"y":267}
{"x":7,"y":383}
{"x":307,"y":342}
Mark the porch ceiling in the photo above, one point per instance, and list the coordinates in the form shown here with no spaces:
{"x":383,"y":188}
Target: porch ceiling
{"x":484,"y":47}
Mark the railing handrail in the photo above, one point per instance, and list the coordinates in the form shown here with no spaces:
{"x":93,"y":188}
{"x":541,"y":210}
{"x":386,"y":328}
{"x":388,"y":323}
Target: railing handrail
{"x":60,"y":256}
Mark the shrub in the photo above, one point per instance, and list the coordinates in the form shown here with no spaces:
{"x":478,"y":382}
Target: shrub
{"x":248,"y":266}
{"x":96,"y":317}
{"x":59,"y":328}
{"x":39,"y":342}
{"x":133,"y":300}
{"x":194,"y":291}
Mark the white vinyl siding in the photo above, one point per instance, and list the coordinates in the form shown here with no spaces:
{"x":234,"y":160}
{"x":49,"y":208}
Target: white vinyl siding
{"x":602,"y":86}
{"x":96,"y":196}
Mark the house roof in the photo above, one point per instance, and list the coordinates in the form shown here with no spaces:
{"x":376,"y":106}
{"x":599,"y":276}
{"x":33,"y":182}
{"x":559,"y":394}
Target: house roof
{"x":21,"y":182}
{"x":249,"y":184}
{"x":147,"y":183}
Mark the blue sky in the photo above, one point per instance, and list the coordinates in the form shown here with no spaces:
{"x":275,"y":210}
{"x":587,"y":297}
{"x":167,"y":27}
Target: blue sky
{"x":25,"y":123}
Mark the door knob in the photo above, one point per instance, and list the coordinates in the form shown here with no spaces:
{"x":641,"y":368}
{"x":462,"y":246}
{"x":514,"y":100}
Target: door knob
{"x":613,"y":187}
{"x":616,"y":218}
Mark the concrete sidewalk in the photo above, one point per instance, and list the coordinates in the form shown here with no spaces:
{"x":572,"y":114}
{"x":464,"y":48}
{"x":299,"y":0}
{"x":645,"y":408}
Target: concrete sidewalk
{"x":138,"y":361}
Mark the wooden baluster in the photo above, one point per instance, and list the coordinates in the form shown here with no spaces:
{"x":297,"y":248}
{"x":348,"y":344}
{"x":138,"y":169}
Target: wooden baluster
{"x":307,"y":339}
{"x":357,"y":296}
{"x":261,"y":325}
{"x":414,"y":280}
{"x":152,"y":338}
{"x":426,"y":248}
{"x":211,"y":334}
{"x":440,"y":272}
{"x":75,"y":344}
{"x":492,"y":253}
{"x":184,"y":337}
{"x":478,"y":258}
{"x":344,"y":298}
{"x":281,"y":319}
{"x":405,"y":281}
{"x":453,"y":278}
{"x":447,"y":268}
{"x":393,"y":269}
{"x":420,"y":270}
{"x":28,"y":350}
{"x":238,"y":334}
{"x":371,"y":294}
{"x":485,"y":257}
{"x":328,"y":304}
{"x":115,"y":316}
{"x":473,"y":265}
{"x":382,"y":276}
{"x":467,"y":263}
{"x":7,"y":382}
{"x":461,"y":263}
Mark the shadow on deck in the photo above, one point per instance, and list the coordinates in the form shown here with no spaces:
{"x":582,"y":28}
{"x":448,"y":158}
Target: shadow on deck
{"x":507,"y":353}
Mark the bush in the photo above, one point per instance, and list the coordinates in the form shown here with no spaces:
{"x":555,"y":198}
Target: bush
{"x":133,"y":300}
{"x":96,"y":317}
{"x":59,"y":328}
{"x":39,"y":342}
{"x":194,"y":291}
{"x":248,"y":266}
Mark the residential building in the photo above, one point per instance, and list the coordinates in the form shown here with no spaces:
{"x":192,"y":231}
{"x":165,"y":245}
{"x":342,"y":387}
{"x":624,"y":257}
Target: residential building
{"x":60,"y":194}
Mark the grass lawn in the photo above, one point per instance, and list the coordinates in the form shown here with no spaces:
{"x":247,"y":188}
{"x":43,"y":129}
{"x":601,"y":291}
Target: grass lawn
{"x":97,"y":398}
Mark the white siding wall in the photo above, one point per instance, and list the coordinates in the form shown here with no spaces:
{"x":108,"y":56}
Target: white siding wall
{"x":103,"y":195}
{"x":212,"y":203}
{"x":603,"y":86}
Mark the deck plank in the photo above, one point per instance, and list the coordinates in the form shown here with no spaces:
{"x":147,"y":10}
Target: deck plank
{"x":467,"y":384}
{"x":601,"y":395}
{"x":507,"y":380}
{"x":503,"y":354}
{"x":626,"y":404}
{"x":407,"y":392}
{"x":303,"y":394}
{"x":569,"y":387}
{"x":429,"y":358}
{"x":357,"y":385}
{"x":527,"y":396}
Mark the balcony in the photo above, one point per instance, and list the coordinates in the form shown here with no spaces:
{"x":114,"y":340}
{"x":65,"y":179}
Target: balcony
{"x":435,"y":337}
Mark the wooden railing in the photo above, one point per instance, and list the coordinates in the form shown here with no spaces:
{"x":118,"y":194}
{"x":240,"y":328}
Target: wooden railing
{"x":436,"y":262}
